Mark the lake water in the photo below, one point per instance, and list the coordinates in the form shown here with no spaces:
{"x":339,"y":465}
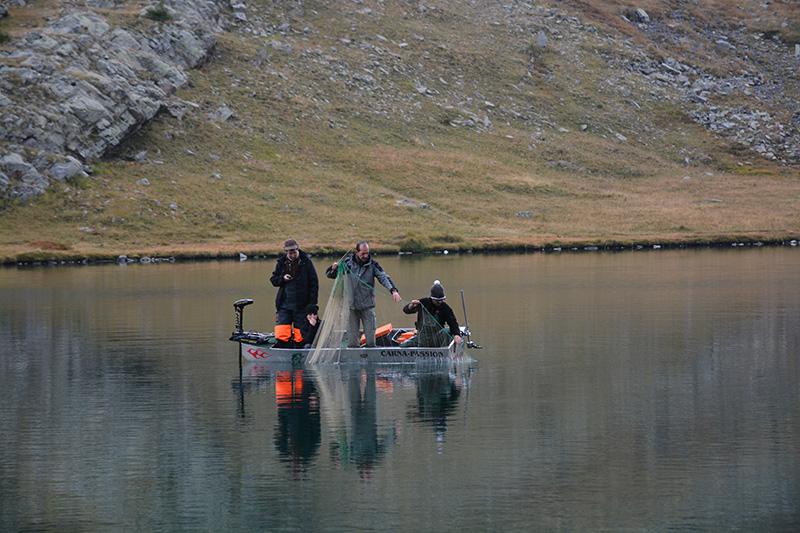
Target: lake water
{"x":635,"y":391}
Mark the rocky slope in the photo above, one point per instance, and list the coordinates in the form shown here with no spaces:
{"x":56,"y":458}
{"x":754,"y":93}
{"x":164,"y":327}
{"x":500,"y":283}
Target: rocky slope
{"x":77,"y":87}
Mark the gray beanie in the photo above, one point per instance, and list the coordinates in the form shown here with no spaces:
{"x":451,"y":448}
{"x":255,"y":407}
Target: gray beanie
{"x":437,"y":291}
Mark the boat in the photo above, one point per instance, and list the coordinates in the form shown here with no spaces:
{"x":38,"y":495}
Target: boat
{"x":391,"y":347}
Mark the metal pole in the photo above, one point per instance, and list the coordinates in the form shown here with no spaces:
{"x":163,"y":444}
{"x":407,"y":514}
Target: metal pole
{"x":464,"y":307}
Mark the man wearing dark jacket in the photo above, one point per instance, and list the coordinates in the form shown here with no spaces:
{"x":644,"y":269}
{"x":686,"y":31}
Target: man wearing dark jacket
{"x":360,"y":272}
{"x":298,"y":289}
{"x":432,"y":315}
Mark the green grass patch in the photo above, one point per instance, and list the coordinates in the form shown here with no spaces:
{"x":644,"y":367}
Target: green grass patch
{"x":159,"y":13}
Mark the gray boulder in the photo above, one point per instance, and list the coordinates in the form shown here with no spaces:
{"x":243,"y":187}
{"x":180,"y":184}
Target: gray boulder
{"x":221,"y":114}
{"x":87,"y":109}
{"x":81,"y":23}
{"x":541,"y":39}
{"x":24,"y":180}
{"x":67,"y":169}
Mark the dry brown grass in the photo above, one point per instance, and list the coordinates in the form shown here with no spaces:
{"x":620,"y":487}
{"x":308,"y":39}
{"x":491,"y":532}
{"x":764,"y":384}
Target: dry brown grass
{"x":34,"y":15}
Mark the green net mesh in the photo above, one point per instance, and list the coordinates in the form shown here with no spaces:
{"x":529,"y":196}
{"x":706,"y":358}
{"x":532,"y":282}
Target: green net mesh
{"x":333,"y":328}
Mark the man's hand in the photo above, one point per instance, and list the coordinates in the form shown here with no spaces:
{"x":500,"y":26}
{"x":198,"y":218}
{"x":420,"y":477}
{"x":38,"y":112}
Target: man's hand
{"x":413,"y":304}
{"x":458,"y":339}
{"x":396,"y":296}
{"x":335,"y":265}
{"x":312,"y":319}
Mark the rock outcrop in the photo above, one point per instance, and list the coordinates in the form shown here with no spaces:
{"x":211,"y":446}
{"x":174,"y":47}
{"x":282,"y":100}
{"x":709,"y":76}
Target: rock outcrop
{"x":78,"y":87}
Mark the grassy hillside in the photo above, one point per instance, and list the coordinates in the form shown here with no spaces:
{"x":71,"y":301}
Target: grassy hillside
{"x":443,"y":127}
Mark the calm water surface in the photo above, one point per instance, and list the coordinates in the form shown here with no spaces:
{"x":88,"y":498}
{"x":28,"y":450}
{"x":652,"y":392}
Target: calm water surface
{"x":635,"y":391}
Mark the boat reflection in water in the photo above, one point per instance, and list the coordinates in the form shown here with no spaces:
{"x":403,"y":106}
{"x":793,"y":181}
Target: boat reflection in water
{"x":357,"y":436}
{"x":362,"y":408}
{"x":298,"y":430}
{"x":438,"y":395}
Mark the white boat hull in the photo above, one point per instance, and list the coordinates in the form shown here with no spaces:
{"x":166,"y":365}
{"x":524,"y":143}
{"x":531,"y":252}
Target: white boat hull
{"x":252,"y":352}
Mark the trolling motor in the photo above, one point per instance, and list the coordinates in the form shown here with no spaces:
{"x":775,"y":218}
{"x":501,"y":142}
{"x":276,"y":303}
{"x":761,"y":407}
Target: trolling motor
{"x":239,"y":306}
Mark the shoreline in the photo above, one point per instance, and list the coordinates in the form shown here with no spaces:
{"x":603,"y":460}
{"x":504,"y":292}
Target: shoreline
{"x":50,"y":258}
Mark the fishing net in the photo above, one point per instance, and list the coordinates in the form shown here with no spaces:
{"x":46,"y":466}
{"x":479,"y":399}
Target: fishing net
{"x":430,"y":333}
{"x":333,"y":332}
{"x":333,"y":328}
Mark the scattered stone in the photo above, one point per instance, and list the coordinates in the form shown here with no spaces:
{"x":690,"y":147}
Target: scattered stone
{"x":541,"y":39}
{"x":406,"y":202}
{"x":143,"y":181}
{"x":525,"y":214}
{"x":221,"y":114}
{"x":242,"y":257}
{"x":640,"y":15}
{"x":281,"y":46}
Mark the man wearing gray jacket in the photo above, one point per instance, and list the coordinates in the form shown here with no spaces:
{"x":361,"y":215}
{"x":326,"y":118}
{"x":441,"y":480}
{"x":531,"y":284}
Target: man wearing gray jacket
{"x":361,"y":271}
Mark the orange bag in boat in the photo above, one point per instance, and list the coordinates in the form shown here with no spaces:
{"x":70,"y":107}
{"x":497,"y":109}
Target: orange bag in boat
{"x":380,"y":332}
{"x":403,"y":337}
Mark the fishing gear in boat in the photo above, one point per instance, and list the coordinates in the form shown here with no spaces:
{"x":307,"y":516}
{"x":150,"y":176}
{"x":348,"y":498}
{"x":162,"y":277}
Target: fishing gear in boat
{"x":239,"y":334}
{"x":470,"y":342}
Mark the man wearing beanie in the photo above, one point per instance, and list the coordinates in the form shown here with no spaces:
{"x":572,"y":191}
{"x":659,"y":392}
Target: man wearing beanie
{"x":432,"y":315}
{"x":298,"y":288}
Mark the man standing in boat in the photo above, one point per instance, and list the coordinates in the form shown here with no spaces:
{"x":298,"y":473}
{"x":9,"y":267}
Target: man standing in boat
{"x":432,"y":316}
{"x":361,"y":271}
{"x":298,"y":289}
